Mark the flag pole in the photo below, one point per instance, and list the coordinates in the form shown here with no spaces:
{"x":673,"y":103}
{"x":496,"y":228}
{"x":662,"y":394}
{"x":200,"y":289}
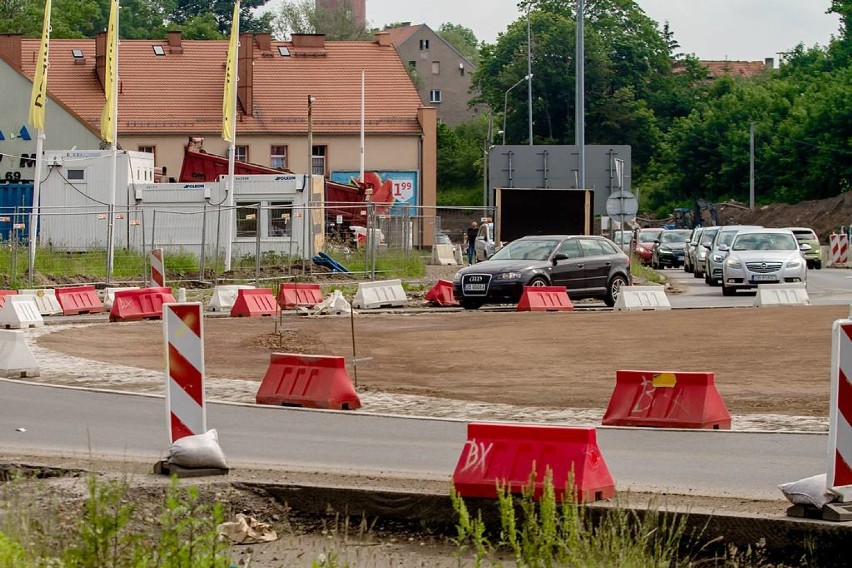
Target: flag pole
{"x":363,"y":113}
{"x":112,"y":103}
{"x":229,"y":129}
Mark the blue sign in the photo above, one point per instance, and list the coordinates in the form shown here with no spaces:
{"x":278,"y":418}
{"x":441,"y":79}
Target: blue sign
{"x":398,"y":188}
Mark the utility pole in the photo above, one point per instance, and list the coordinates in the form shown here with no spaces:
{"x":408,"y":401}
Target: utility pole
{"x":751,"y":167}
{"x":580,"y":118}
{"x":529,"y":76}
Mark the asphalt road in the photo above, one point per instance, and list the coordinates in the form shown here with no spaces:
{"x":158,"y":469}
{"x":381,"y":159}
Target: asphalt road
{"x":69,"y":422}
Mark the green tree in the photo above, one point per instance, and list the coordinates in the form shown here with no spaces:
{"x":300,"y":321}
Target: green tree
{"x":462,"y":39}
{"x":183,"y":12}
{"x":303,"y":17}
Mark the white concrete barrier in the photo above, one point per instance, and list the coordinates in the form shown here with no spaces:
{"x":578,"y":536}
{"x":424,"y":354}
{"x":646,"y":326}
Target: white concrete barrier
{"x":16,"y":359}
{"x":109,"y":295}
{"x":224,"y":297}
{"x":20,"y":312}
{"x":781,"y":295}
{"x":385,"y":293}
{"x":45,"y":299}
{"x":444,"y":255}
{"x":636,"y":298}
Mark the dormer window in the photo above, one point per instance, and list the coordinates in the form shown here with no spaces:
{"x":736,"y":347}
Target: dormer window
{"x":284,"y":51}
{"x":158,"y":50}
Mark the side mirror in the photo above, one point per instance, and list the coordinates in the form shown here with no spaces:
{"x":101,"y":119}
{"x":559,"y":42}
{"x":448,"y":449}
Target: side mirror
{"x":656,"y":242}
{"x":724,"y":248}
{"x":559,"y":256}
{"x":805,"y":247}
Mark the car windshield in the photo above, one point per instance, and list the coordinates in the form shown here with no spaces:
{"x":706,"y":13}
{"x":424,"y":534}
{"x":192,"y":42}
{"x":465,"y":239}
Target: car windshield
{"x":622,"y":237}
{"x":727,"y":237}
{"x":673,"y":237}
{"x":707,"y":236}
{"x":807,"y":235}
{"x":765,"y":241}
{"x":526,"y":250}
{"x":648,"y":236}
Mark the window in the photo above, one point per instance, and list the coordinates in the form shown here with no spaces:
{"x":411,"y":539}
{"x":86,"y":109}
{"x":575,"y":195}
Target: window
{"x":149,"y":150}
{"x":412,"y":64}
{"x":318,"y":160}
{"x":591,"y":247}
{"x":280,"y":216}
{"x":424,"y":44}
{"x":283,"y":51}
{"x":241,"y":153}
{"x":79,"y":175}
{"x":461,"y":69}
{"x":247,"y":219}
{"x":77,"y":53}
{"x":570,"y":248}
{"x":436,"y":68}
{"x":278,"y":157}
{"x":158,"y":50}
{"x":435,"y":96}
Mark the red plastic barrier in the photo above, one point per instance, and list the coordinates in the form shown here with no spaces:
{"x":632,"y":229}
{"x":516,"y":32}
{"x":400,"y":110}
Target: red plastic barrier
{"x":441,"y":294}
{"x":666,"y":400}
{"x":312,"y":381}
{"x":4,"y":293}
{"x":293,"y":294}
{"x":507,"y":454}
{"x":79,"y":300}
{"x":254,"y":303}
{"x":145,"y":303}
{"x":545,"y":299}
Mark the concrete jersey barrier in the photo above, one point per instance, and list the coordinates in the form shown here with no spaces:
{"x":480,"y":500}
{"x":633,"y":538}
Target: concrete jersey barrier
{"x":769,"y":295}
{"x":45,"y":299}
{"x":224,"y":297}
{"x":20,"y":312}
{"x":636,"y":298}
{"x":444,"y":255}
{"x":385,"y":293}
{"x":16,"y":359}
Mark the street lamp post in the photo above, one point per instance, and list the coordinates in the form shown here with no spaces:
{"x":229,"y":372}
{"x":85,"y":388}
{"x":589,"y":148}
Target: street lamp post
{"x":506,"y":103}
{"x":529,"y":76}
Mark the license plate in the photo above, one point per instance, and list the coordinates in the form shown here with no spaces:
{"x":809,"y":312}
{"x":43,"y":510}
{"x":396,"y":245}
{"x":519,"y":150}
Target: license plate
{"x":764,"y":278}
{"x":474,"y":288}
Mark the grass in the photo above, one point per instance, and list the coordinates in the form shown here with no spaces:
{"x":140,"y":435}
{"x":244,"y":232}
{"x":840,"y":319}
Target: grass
{"x":640,"y":271}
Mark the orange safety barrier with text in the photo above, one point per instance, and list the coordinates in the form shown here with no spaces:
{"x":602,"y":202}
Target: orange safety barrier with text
{"x":311,"y":381}
{"x":145,"y":303}
{"x":79,"y":300}
{"x":441,"y":294}
{"x":506,"y":455}
{"x":545,"y":299}
{"x":254,"y":303}
{"x":666,"y":400}
{"x":294,"y":294}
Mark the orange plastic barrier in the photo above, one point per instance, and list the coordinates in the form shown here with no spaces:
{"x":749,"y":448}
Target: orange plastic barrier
{"x":545,"y":299}
{"x":4,"y":293}
{"x":666,"y":400}
{"x":254,"y":303}
{"x":441,"y":294}
{"x":145,"y":303}
{"x":507,"y":454}
{"x":79,"y":300}
{"x":293,"y":294}
{"x":312,"y":381}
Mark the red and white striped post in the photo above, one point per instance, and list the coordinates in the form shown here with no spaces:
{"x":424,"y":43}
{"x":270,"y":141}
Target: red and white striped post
{"x":839,"y":478}
{"x":839,"y":249}
{"x":183,"y":330}
{"x":158,"y":270}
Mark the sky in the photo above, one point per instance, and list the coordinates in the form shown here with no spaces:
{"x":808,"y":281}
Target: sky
{"x":736,"y":30}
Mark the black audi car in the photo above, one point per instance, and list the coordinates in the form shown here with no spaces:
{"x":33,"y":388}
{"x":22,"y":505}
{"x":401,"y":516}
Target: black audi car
{"x":588,"y":266}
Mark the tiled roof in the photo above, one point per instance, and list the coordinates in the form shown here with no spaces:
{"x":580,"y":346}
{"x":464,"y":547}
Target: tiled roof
{"x":182,"y":92}
{"x":734,"y":68}
{"x":400,"y":34}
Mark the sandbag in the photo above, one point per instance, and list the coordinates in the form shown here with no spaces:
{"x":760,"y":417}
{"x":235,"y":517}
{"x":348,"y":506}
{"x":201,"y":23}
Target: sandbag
{"x":201,"y":450}
{"x":808,"y":491}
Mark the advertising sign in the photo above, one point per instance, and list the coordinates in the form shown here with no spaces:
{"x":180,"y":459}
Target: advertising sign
{"x":398,"y":188}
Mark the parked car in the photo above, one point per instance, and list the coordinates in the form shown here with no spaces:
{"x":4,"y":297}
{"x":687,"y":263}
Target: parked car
{"x":813,"y":257}
{"x":588,"y":266}
{"x":719,"y":250}
{"x":484,"y":244}
{"x":623,"y":238}
{"x":699,"y":260}
{"x":643,"y":243}
{"x":689,"y":251}
{"x":669,"y":248}
{"x":763,"y":256}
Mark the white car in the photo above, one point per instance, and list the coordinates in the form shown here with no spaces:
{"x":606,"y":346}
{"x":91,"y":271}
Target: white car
{"x":763,"y":256}
{"x":484,"y":245}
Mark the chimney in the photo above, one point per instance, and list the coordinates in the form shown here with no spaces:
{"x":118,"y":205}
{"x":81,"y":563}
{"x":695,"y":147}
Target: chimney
{"x":245,"y":85}
{"x":264,"y":43}
{"x":10,"y":48}
{"x":100,"y":58}
{"x":769,"y":63}
{"x":175,"y":41}
{"x":308,"y":40}
{"x":383,"y":38}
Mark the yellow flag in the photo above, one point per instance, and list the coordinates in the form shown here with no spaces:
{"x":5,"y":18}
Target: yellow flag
{"x":108,"y":114}
{"x":228,"y":106}
{"x":39,"y":96}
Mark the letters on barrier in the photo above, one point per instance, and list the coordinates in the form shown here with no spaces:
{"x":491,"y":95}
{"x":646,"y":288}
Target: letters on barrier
{"x":642,"y":298}
{"x":385,"y":293}
{"x":20,"y":312}
{"x":16,"y":359}
{"x":45,"y":299}
{"x":79,"y":300}
{"x":769,"y":295}
{"x":666,"y":400}
{"x":224,"y":297}
{"x":545,"y":299}
{"x":295,"y":294}
{"x":109,"y":295}
{"x":311,"y":381}
{"x":254,"y":303}
{"x":139,"y":304}
{"x":507,"y":454}
{"x":441,"y":294}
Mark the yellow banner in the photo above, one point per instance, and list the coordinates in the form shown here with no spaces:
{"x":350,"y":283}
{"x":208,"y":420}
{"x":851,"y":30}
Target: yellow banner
{"x":39,"y":95}
{"x":108,"y":114}
{"x":228,"y":98}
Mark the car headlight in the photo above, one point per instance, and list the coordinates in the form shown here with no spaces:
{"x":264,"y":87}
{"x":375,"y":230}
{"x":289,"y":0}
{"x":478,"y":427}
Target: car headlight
{"x":665,"y":249}
{"x":702,"y":255}
{"x":718,"y":258}
{"x":794,"y":264}
{"x":457,"y":277}
{"x":734,"y":263}
{"x":509,"y":276}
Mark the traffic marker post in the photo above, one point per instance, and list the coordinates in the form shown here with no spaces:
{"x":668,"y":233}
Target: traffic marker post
{"x":158,"y":269}
{"x":183,"y":332}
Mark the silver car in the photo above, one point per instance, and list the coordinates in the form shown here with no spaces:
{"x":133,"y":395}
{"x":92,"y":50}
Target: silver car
{"x":719,"y":251}
{"x":691,"y":245}
{"x":699,"y":258}
{"x":763,"y":256}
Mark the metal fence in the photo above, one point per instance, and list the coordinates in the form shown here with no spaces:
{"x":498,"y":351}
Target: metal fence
{"x":268,"y":242}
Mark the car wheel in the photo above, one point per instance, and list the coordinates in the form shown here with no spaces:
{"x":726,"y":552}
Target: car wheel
{"x":613,"y":291}
{"x":471,"y":304}
{"x":728,"y":291}
{"x":697,"y":274}
{"x":707,"y":279}
{"x":687,"y":268}
{"x":538,"y":281}
{"x":818,"y":264}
